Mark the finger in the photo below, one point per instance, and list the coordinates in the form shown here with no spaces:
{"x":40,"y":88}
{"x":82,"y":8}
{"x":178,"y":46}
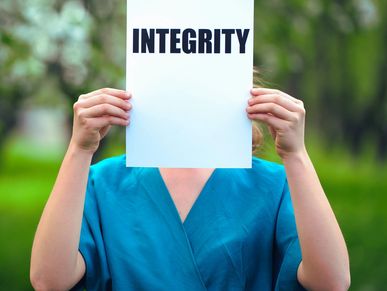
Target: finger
{"x":109,"y":91}
{"x":273,"y":109}
{"x":105,"y":99}
{"x":272,"y":121}
{"x":262,"y":91}
{"x":295,"y":100}
{"x":104,"y":121}
{"x":274,"y":98}
{"x":103,"y":109}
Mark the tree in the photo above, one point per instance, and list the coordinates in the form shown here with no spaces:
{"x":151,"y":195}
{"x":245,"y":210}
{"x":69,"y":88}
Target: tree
{"x":77,"y":45}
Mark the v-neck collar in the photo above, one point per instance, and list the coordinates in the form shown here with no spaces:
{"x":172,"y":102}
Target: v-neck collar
{"x":168,"y":215}
{"x":196,"y":203}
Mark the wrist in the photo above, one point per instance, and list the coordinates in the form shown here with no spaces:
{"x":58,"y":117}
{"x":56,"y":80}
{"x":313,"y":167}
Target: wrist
{"x":300,"y":156}
{"x":76,"y":150}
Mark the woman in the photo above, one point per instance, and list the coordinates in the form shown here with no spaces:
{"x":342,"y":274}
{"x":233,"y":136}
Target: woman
{"x":119,"y":228}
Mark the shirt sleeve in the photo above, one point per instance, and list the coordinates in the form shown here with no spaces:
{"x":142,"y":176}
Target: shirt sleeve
{"x":287,"y":253}
{"x":91,"y":245}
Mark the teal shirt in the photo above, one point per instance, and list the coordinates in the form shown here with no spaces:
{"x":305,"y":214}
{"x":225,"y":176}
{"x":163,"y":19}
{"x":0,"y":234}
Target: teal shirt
{"x":240,"y":233}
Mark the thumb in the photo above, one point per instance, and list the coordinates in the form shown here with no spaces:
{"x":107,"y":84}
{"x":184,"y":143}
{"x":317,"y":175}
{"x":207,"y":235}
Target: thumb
{"x":272,"y":132}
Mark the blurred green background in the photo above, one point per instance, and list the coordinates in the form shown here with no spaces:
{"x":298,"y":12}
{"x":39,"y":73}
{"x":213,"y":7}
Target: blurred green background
{"x":331,"y":54}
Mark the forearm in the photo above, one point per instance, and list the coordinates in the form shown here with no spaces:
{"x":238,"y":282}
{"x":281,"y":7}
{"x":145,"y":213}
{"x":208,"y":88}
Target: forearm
{"x":325,"y":263}
{"x":54,"y":259}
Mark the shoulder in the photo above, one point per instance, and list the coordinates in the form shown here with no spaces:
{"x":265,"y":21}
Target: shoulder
{"x":263,"y":177}
{"x":109,"y":164}
{"x":261,"y":187}
{"x":111,"y":172}
{"x":267,"y":167}
{"x":266,"y":172}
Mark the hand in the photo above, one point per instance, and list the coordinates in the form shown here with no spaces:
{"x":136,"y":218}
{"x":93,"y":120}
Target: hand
{"x":284,"y":115}
{"x":95,"y":113}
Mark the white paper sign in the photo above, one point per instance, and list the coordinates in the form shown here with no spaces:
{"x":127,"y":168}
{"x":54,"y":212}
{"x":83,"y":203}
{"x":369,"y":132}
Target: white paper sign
{"x":189,"y":68}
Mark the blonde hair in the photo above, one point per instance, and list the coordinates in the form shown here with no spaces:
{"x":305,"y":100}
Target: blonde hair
{"x":257,"y":132}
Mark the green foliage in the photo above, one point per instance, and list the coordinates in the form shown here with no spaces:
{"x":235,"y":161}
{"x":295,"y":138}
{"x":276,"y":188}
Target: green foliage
{"x":331,"y":54}
{"x":52,"y":49}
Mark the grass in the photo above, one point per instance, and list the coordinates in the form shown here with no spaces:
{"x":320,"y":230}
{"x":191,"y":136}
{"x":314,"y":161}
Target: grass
{"x":25,"y":184}
{"x":357,"y":190}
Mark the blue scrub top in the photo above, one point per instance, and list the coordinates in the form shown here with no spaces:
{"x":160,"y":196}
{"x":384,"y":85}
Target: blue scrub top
{"x":240,"y":233}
